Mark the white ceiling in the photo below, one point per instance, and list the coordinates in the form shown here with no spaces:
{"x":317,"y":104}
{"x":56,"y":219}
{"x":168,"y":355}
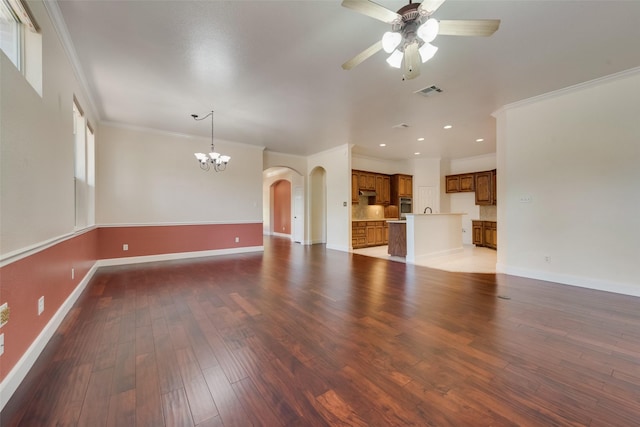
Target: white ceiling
{"x":271,"y":69}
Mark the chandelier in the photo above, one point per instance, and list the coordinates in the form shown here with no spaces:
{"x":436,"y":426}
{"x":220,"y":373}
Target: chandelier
{"x":213,"y":159}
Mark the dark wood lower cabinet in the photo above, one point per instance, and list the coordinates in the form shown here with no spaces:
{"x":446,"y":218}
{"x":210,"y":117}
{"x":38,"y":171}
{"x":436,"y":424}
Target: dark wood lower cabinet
{"x":485,"y":233}
{"x":369,"y":233}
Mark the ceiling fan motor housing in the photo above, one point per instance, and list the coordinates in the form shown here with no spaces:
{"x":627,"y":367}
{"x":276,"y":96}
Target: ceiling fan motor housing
{"x":408,"y":27}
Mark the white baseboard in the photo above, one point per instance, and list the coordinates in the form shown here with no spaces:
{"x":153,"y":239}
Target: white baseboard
{"x":418,"y":259}
{"x":13,"y":379}
{"x":287,"y":236}
{"x":338,"y":248}
{"x":566,"y":279}
{"x":174,"y":256}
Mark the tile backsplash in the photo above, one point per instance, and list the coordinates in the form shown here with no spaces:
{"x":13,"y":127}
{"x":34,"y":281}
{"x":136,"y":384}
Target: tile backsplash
{"x":488,"y":213}
{"x":362,"y":210}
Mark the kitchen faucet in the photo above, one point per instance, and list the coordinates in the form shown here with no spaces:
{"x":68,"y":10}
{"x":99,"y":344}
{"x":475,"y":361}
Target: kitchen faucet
{"x":430,"y":210}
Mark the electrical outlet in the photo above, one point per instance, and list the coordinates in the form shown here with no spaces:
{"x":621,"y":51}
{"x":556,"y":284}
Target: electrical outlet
{"x":125,"y":247}
{"x":40,"y":305}
{"x":525,"y":198}
{"x":237,"y":240}
{"x":1,"y":344}
{"x":547,"y":259}
{"x":4,"y":314}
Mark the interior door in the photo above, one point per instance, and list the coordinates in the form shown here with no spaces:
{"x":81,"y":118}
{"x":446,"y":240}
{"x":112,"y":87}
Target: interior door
{"x":298,"y":214}
{"x":426,"y":198}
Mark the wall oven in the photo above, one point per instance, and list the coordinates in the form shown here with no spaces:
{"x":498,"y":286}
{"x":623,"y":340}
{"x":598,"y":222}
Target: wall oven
{"x":405,"y":206}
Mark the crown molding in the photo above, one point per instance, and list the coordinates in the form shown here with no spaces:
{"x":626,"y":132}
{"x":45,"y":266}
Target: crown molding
{"x":55,"y":15}
{"x":567,"y":90}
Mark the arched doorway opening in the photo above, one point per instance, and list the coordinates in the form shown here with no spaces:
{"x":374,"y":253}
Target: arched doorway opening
{"x":283,"y":203}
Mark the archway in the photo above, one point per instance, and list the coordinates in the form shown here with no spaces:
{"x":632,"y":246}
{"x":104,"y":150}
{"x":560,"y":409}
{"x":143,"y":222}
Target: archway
{"x":283,"y":203}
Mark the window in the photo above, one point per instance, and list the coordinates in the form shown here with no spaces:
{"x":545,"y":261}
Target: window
{"x":84,"y":169}
{"x":10,"y":34}
{"x":21,"y":41}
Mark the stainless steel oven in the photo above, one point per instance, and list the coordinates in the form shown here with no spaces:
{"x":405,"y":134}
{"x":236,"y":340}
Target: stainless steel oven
{"x":405,"y":206}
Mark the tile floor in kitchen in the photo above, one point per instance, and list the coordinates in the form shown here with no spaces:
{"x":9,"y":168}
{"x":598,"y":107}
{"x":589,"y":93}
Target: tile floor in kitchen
{"x":471,"y":260}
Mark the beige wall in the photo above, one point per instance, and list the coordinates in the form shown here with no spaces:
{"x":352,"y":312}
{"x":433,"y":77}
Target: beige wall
{"x":575,"y":154}
{"x":37,"y":147}
{"x":151,"y":177}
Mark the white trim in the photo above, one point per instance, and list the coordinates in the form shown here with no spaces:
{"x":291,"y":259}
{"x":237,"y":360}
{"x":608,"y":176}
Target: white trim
{"x":17,"y":255}
{"x":24,"y":365}
{"x":566,"y":279}
{"x":287,"y":236}
{"x":172,"y":224}
{"x":337,"y":247}
{"x":177,"y":255}
{"x":568,"y":90}
{"x":417,"y":260}
{"x":175,"y":134}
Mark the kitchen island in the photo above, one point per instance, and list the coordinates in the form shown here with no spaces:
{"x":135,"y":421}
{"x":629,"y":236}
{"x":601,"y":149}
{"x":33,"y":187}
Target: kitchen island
{"x":430,"y":235}
{"x":397,"y":238}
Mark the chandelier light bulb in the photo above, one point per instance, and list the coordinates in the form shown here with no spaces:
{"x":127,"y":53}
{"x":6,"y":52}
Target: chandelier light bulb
{"x":427,"y":51}
{"x":429,"y":30}
{"x":390,"y":41}
{"x":395,"y":59}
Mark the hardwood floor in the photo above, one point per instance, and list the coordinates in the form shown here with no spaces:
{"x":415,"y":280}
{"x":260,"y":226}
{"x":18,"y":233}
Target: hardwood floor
{"x":304,"y":336}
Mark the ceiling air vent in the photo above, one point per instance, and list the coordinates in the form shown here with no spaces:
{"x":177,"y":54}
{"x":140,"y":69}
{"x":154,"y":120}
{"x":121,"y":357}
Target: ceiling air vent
{"x":428,"y":91}
{"x":400,"y":126}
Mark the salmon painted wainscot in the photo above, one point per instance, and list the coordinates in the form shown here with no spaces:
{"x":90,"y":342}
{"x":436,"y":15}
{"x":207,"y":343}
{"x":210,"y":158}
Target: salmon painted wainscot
{"x":60,"y":271}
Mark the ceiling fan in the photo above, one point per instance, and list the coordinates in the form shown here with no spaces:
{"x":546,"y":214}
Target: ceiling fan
{"x":412,"y":31}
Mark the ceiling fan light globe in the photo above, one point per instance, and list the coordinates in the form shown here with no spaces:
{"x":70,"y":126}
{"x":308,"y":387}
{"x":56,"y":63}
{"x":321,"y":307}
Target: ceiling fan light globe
{"x":427,"y":51}
{"x":214,"y":155}
{"x":390,"y":41}
{"x":429,"y":30}
{"x":225,"y":159}
{"x":395,"y":59}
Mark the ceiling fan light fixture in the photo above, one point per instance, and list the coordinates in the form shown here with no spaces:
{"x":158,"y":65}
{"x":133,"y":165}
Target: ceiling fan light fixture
{"x":429,"y":30}
{"x":427,"y":51}
{"x":395,"y":59}
{"x":390,"y":41}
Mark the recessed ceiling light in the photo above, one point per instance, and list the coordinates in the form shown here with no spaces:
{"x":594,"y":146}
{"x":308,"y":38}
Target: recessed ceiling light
{"x":480,"y":140}
{"x":417,"y":153}
{"x":448,"y":127}
{"x":383,"y":145}
{"x":420,"y":139}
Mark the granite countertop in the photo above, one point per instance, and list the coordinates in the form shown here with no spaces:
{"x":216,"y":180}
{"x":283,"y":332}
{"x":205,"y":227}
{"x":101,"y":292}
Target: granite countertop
{"x":397,"y":221}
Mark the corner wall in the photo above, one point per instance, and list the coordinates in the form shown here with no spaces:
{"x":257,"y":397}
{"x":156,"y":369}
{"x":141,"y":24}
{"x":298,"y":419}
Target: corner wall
{"x":575,"y":154}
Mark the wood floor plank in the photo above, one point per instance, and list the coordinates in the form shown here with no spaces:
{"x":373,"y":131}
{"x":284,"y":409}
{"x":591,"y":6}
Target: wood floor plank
{"x":305,"y":336}
{"x":232,"y":413}
{"x":200,"y":400}
{"x":95,"y":409}
{"x":148,"y":401}
{"x":122,"y":409}
{"x":176,"y":409}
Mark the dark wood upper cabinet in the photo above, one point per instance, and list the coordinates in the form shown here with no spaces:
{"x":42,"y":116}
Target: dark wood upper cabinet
{"x":452,"y":184}
{"x":467,"y":182}
{"x":484,"y":188}
{"x":482,"y":183}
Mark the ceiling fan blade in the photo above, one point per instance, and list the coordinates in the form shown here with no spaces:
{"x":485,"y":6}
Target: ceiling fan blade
{"x":429,"y":6}
{"x":411,"y":61}
{"x":471,"y":27}
{"x":372,"y":10}
{"x":356,"y":60}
